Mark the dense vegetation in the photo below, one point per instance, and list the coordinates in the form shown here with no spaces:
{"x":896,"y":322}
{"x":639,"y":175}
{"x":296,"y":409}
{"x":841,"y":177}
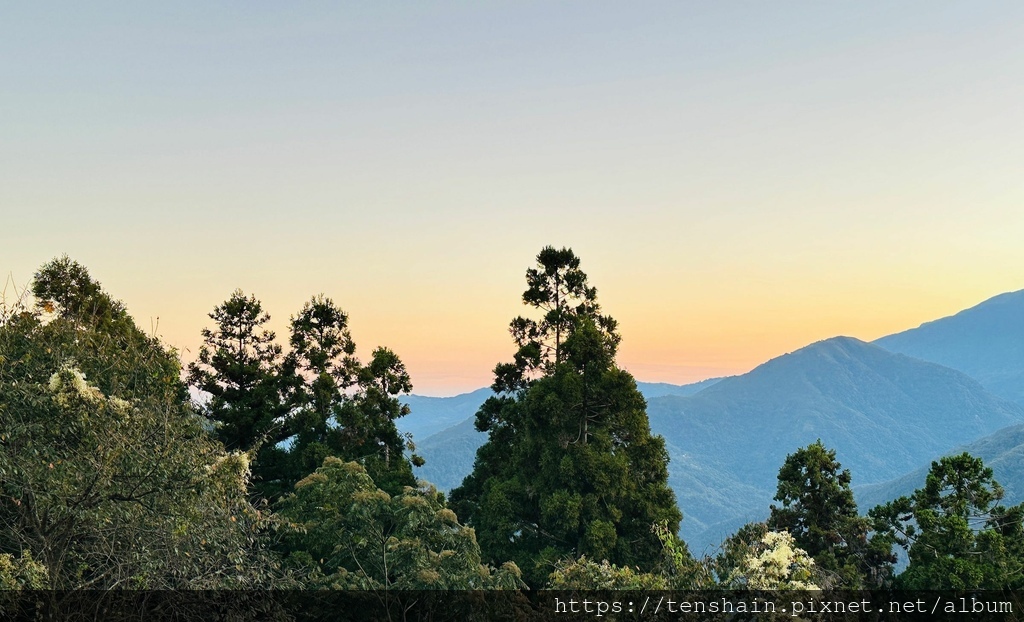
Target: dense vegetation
{"x":290,"y":471}
{"x":570,"y":467}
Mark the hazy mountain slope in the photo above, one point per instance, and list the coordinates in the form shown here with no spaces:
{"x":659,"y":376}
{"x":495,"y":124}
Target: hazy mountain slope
{"x":652,"y":390}
{"x":430,"y":415}
{"x":884,"y":414}
{"x":1003,"y":451}
{"x":881,"y":410}
{"x":985,"y":342}
{"x":450,"y":454}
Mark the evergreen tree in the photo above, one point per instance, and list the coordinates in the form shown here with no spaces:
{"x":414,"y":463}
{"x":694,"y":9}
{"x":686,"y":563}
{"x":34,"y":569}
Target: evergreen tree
{"x":240,"y":367}
{"x":818,"y":510}
{"x":954,"y":530}
{"x":570,"y":467}
{"x":371,"y":435}
{"x":322,"y":360}
{"x":559,"y":289}
{"x":341,"y":407}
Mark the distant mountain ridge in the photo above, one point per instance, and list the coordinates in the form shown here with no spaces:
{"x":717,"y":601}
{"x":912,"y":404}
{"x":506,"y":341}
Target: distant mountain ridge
{"x":430,"y":415}
{"x":985,"y":342}
{"x":887,"y":408}
{"x":883,"y":413}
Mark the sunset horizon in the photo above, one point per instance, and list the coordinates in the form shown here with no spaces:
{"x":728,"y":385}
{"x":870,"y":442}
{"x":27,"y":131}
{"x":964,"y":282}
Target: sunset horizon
{"x":737,"y":181}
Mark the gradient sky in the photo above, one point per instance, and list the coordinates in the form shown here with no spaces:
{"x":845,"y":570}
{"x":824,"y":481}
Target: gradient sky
{"x":739,"y":178}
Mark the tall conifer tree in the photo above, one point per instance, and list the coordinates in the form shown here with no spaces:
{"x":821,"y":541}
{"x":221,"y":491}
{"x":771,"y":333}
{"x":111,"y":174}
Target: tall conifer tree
{"x":570,"y":467}
{"x":817,"y":508}
{"x":240,"y":367}
{"x":341,"y":407}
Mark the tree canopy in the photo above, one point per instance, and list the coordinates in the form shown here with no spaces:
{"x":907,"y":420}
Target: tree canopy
{"x":341,"y":407}
{"x":570,"y":467}
{"x":344,"y":531}
{"x":107,"y":476}
{"x":111,"y":477}
{"x":954,"y":530}
{"x":239,"y":369}
{"x":818,"y":510}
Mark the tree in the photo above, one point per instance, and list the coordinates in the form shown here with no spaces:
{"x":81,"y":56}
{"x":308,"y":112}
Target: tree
{"x":344,"y":532}
{"x":324,"y":367}
{"x":560,"y":290}
{"x":369,"y":423}
{"x":341,"y":407}
{"x":239,"y":368}
{"x":774,"y":563}
{"x":818,"y":510}
{"x":570,"y":467}
{"x":954,"y":530}
{"x":107,"y":477}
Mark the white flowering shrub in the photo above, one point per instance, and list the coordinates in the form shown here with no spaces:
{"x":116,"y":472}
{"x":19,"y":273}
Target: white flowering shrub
{"x":775,"y":564}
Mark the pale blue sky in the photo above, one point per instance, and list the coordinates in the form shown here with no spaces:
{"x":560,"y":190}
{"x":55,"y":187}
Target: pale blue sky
{"x":739,"y":178}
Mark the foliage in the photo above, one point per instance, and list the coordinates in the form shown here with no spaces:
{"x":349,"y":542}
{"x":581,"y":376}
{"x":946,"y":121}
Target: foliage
{"x":677,"y":570}
{"x":774,"y":563}
{"x":560,"y":290}
{"x":734,"y":550}
{"x":345,"y":533}
{"x":239,"y":368}
{"x":680,"y":569}
{"x":817,"y":509}
{"x":342,"y":407}
{"x":371,"y":434}
{"x":954,"y":530}
{"x":570,"y":467}
{"x":586,"y":574}
{"x":22,"y":572}
{"x":107,"y":477}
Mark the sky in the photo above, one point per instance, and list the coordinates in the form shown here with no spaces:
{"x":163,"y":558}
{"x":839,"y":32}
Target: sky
{"x":739,"y":179}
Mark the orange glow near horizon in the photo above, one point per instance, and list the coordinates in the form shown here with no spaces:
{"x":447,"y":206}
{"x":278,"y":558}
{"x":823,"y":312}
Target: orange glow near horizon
{"x":452,"y":355}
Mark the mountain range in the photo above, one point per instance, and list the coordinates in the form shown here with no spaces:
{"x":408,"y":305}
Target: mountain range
{"x":1002,"y":451}
{"x":985,"y":342}
{"x":883,"y":413}
{"x":888,"y":408}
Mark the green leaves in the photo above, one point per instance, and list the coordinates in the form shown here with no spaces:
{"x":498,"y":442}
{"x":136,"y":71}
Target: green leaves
{"x":341,"y":407}
{"x":818,"y":510}
{"x":319,"y":398}
{"x":343,"y":531}
{"x":107,"y":477}
{"x":559,"y":289}
{"x":570,"y":467}
{"x":956,"y":534}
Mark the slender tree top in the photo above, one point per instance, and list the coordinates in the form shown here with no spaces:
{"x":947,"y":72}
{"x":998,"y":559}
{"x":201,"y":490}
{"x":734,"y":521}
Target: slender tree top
{"x":559,"y":289}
